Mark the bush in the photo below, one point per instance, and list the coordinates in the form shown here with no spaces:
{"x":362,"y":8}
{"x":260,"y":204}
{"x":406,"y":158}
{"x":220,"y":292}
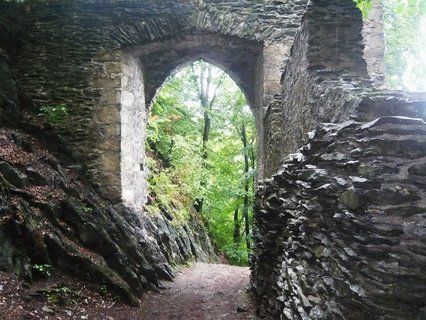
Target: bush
{"x":55,"y":114}
{"x":236,"y":254}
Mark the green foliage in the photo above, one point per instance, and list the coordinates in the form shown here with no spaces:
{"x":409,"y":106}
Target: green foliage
{"x":86,"y":210}
{"x":55,"y":294}
{"x":103,"y":290}
{"x":43,"y":269}
{"x":167,"y":192}
{"x":405,"y":27}
{"x":405,"y":41}
{"x":181,"y":172}
{"x":364,"y":5}
{"x":55,"y":114}
{"x":236,"y":253}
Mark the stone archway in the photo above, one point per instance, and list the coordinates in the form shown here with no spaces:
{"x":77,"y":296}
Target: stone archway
{"x":92,"y":44}
{"x":143,"y":69}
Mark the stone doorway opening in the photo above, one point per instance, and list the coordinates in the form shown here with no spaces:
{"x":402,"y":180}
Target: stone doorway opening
{"x":201,"y":155}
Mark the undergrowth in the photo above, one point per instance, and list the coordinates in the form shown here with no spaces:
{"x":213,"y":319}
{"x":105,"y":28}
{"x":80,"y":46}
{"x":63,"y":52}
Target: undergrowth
{"x":167,"y":194}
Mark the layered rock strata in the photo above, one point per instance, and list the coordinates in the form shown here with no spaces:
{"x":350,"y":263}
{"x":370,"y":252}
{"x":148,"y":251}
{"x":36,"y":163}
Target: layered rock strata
{"x":341,"y":228}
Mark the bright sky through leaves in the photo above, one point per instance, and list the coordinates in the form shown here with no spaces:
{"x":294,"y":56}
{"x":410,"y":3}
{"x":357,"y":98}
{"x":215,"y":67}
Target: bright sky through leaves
{"x":412,"y":80}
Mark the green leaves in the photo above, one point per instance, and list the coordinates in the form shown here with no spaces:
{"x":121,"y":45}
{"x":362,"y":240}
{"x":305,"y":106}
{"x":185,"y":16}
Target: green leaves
{"x":409,"y":8}
{"x":365,"y":6}
{"x":179,"y":173}
{"x":55,"y":114}
{"x":405,"y":39}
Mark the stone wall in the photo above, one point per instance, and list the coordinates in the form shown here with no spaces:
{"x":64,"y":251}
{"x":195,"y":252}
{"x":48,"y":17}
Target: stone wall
{"x":9,"y":95}
{"x":374,"y":40}
{"x":325,"y":70}
{"x":76,"y":52}
{"x":341,"y":227}
{"x":50,"y":215}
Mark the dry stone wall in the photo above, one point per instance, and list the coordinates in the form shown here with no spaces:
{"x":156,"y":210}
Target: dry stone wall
{"x":374,"y":40}
{"x":339,"y":230}
{"x":324,"y":72}
{"x":341,"y":227}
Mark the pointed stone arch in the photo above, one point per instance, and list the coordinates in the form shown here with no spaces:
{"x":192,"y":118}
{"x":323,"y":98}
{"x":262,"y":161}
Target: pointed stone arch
{"x":144,"y":70}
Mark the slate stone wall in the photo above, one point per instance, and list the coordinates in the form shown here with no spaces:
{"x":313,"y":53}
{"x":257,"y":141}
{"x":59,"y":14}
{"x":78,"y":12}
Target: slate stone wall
{"x":324,"y":72}
{"x":9,"y":95}
{"x":341,"y":227}
{"x":374,"y":40}
{"x":339,"y":230}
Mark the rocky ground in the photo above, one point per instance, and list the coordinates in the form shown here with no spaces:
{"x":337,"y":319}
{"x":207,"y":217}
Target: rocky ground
{"x":51,"y":216}
{"x":204,"y":291}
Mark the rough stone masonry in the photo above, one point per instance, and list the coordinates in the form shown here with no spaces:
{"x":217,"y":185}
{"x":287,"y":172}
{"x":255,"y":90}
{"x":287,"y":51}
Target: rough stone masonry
{"x":340,"y":224}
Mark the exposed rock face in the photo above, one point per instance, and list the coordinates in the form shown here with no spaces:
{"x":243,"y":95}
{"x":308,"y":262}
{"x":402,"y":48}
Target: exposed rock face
{"x":48,"y":215}
{"x":341,"y":227}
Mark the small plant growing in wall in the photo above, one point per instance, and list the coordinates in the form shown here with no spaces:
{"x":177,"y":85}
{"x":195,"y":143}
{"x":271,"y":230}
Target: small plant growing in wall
{"x":54,"y":114}
{"x":86,"y":210}
{"x":43,"y":269}
{"x":365,"y":6}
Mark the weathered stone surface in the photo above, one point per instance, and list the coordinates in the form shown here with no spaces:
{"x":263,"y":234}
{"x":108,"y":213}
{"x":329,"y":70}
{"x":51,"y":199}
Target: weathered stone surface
{"x":13,"y":176}
{"x":374,"y":40}
{"x":54,"y":218}
{"x":336,"y":240}
{"x":9,"y":100}
{"x":321,"y":78}
{"x":77,"y":53}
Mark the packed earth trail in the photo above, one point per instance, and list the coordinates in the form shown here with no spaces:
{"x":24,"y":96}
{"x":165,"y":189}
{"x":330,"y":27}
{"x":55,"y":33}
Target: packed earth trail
{"x":201,"y":292}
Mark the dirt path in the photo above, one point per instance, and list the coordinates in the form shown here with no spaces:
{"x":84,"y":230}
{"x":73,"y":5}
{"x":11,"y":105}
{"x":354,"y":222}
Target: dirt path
{"x":202,"y":292}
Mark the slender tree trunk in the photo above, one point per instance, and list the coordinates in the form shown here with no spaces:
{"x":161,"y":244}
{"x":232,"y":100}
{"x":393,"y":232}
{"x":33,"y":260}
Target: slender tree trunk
{"x":237,"y":227}
{"x":207,"y":98}
{"x":206,"y":135}
{"x":203,"y":87}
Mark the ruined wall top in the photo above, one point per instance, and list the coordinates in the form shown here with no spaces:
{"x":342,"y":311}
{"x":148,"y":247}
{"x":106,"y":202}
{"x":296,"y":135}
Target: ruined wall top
{"x":266,"y":20}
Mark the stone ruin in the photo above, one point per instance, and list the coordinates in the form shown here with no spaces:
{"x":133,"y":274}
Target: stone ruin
{"x":340,"y":208}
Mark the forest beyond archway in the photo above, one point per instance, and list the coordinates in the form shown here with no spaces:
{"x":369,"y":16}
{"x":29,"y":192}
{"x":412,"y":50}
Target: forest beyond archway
{"x":200,"y":143}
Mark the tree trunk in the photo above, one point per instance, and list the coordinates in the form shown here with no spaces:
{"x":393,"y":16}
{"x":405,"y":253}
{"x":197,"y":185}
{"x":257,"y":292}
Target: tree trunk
{"x":206,"y":135}
{"x":237,"y":227}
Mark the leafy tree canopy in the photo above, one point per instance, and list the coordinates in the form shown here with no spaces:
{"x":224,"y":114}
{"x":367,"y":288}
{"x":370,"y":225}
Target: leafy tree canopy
{"x":405,"y":41}
{"x":201,"y":138}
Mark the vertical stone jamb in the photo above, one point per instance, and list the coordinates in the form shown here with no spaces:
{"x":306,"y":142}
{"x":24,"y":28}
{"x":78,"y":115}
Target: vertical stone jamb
{"x":105,"y":169}
{"x":274,"y":59}
{"x":133,"y":122}
{"x":374,"y":41}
